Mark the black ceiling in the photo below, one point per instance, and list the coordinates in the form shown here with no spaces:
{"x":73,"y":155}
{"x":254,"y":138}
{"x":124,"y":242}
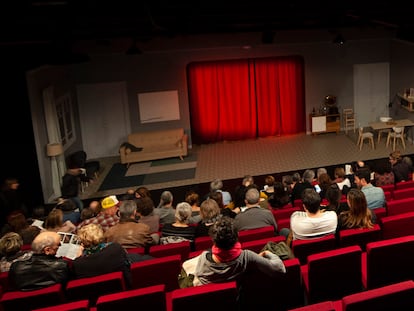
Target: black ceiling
{"x":26,"y":21}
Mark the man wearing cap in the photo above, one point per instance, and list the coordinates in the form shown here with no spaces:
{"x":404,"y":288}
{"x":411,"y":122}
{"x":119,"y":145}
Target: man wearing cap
{"x":108,"y":215}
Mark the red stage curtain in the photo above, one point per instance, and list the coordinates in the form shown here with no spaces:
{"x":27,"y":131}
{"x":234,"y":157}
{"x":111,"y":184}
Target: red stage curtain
{"x":249,"y":98}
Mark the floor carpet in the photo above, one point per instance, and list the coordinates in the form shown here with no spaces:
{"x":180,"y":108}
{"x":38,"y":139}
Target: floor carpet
{"x":148,"y":173}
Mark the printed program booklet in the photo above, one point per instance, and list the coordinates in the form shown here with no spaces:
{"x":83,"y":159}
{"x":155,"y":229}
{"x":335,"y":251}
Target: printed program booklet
{"x":69,"y":245}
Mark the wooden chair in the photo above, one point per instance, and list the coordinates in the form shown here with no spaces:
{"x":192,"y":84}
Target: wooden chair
{"x":349,"y":119}
{"x":363,"y":136}
{"x":395,"y":134}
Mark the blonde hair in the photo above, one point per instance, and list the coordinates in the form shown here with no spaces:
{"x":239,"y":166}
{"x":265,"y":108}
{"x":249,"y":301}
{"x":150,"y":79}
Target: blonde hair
{"x":91,"y":235}
{"x":54,"y":219}
{"x":10,"y":243}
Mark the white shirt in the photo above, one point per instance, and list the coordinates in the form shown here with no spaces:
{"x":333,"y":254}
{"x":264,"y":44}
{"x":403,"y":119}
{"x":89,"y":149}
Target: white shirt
{"x":304,"y":227}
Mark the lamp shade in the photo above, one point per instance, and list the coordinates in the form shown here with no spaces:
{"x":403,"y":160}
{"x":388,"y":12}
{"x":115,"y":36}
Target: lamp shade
{"x":53,"y":150}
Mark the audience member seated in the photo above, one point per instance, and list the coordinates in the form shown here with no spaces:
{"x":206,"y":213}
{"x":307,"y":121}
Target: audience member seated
{"x":10,"y":250}
{"x":240,"y":191}
{"x":142,"y":192}
{"x":71,"y":184}
{"x":226,"y":261}
{"x":324,"y":182}
{"x":17,"y":222}
{"x":375,"y":196}
{"x":107,"y":217}
{"x":210,"y":213}
{"x":301,"y":185}
{"x":312,"y":222}
{"x":268,"y":188}
{"x":165,"y":208}
{"x":280,"y":196}
{"x":179,"y":230}
{"x":54,"y":222}
{"x":43,"y":268}
{"x":409,"y":162}
{"x":254,"y":216}
{"x":383,"y":174}
{"x":341,"y":180}
{"x":146,"y":214}
{"x":128,"y":231}
{"x":98,"y":257}
{"x":400,"y":169}
{"x":192,"y":198}
{"x":225,"y":211}
{"x":333,"y":197}
{"x":70,"y":211}
{"x":217,"y":186}
{"x":358,"y":215}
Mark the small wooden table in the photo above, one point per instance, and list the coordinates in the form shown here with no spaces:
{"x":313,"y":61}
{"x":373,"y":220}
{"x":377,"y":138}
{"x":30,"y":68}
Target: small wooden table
{"x":377,"y":126}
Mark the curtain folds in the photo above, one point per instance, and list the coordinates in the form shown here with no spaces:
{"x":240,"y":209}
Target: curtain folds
{"x":248,"y":98}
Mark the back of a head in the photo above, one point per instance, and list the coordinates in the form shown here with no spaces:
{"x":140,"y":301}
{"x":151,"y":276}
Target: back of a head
{"x":142,"y":192}
{"x":270,"y":180}
{"x":91,"y":235}
{"x":308,"y":175}
{"x":145,"y":206}
{"x":10,"y":243}
{"x":165,"y":198}
{"x":44,"y":239}
{"x":364,"y":173}
{"x":223,"y":233}
{"x":209,"y":209}
{"x":192,"y":198}
{"x":252,"y":196}
{"x":340,"y":172}
{"x":17,"y":221}
{"x":396,"y":155}
{"x":183,"y":212}
{"x":216,"y":184}
{"x":127,"y":209}
{"x":66,"y":205}
{"x":311,"y":199}
{"x":333,"y":194}
{"x":54,"y":219}
{"x":218,"y":197}
{"x":247,"y":180}
{"x":320,"y":171}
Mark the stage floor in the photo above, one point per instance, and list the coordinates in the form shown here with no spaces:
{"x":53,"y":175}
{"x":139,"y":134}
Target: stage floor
{"x":234,"y":159}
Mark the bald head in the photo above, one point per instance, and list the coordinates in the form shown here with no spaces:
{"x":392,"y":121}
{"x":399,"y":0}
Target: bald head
{"x":46,"y":242}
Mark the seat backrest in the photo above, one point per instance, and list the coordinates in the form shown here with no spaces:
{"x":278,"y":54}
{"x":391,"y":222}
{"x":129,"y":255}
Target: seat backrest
{"x":400,"y":206}
{"x":182,"y":248}
{"x":92,"y":287}
{"x":397,"y":225}
{"x":26,"y":301}
{"x":404,"y":193}
{"x":399,"y":252}
{"x":320,"y":306}
{"x":404,"y":184}
{"x":204,"y":297}
{"x":151,"y":272}
{"x":303,"y":248}
{"x":379,"y":213}
{"x":334,"y":274}
{"x":283,"y":213}
{"x":359,"y":237}
{"x":81,"y":305}
{"x":259,"y":290}
{"x":399,"y":296}
{"x":255,"y":234}
{"x":257,"y":245}
{"x":153,"y":296}
{"x":390,"y":188}
{"x":202,"y":243}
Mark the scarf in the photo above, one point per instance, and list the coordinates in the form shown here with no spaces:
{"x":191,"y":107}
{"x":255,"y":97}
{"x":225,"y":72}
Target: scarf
{"x":227,"y":255}
{"x":94,"y":249}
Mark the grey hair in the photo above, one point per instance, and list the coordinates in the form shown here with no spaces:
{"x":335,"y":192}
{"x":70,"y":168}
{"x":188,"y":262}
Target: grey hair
{"x":38,"y":245}
{"x":127,"y":209}
{"x":183,"y":212}
{"x":321,"y":171}
{"x":166,"y":198}
{"x":308,"y":175}
{"x":252,"y":196}
{"x":216,"y":184}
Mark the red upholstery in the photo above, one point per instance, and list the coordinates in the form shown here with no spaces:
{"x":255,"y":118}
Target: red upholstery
{"x":284,"y":213}
{"x":404,"y":184}
{"x":399,"y":252}
{"x":397,"y":225}
{"x":92,"y":287}
{"x":152,"y":298}
{"x":151,"y":272}
{"x":333,"y":274}
{"x":25,"y":301}
{"x":283,"y":223}
{"x":359,"y":237}
{"x":202,"y":243}
{"x":379,"y":213}
{"x":182,"y":248}
{"x":404,"y":193}
{"x":303,"y":248}
{"x":281,"y":292}
{"x":256,"y":246}
{"x":256,"y":234}
{"x":321,"y":306}
{"x":81,"y":305}
{"x":205,"y":297}
{"x":388,"y":196}
{"x":389,"y":188}
{"x":136,"y":250}
{"x":4,"y":281}
{"x":396,"y":207}
{"x":399,"y":296}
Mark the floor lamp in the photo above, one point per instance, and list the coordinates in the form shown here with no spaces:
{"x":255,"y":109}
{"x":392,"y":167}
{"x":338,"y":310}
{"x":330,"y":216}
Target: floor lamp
{"x":54,"y":150}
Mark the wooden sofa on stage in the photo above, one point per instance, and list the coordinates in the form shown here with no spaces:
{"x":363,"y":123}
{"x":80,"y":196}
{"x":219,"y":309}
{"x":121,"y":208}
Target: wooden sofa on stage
{"x":154,"y":145}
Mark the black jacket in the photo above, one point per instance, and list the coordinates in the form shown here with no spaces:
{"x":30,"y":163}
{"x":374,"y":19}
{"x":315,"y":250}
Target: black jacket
{"x":37,"y":272}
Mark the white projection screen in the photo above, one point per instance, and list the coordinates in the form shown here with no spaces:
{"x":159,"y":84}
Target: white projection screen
{"x":158,"y":106}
